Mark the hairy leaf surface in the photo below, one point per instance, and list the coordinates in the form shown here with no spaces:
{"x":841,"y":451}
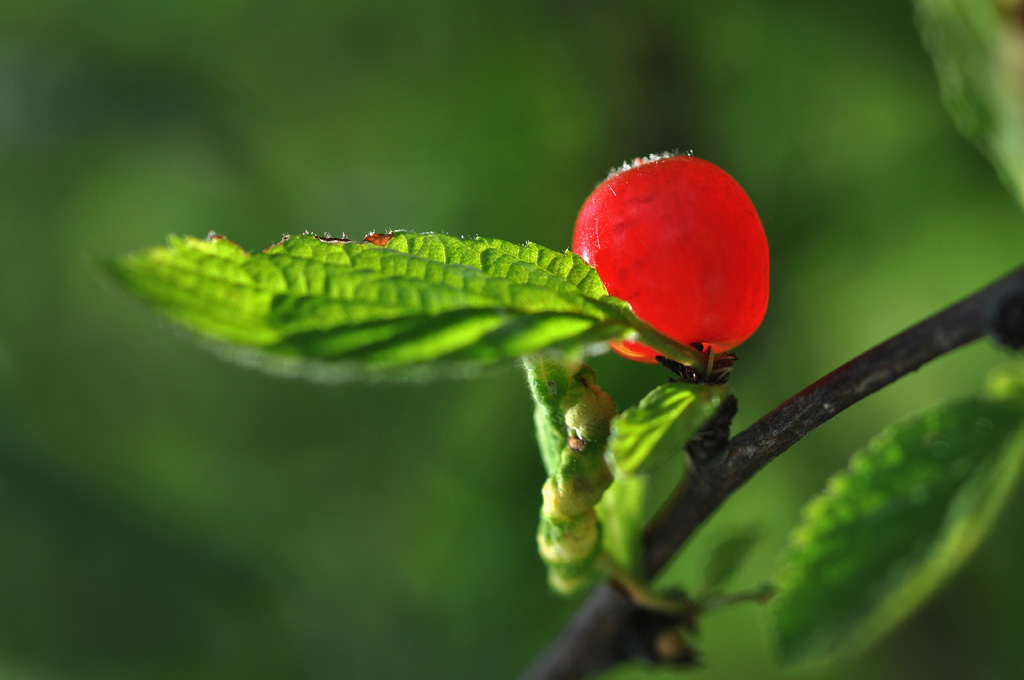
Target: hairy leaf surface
{"x":661,"y":424}
{"x":888,"y":530}
{"x":391,"y":303}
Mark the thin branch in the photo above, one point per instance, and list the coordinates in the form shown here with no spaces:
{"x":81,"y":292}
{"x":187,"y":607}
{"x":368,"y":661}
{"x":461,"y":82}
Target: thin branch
{"x":597,"y":635}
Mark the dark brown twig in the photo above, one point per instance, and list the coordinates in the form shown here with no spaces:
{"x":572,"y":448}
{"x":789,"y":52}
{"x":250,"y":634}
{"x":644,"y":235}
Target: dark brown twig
{"x":593,"y":639}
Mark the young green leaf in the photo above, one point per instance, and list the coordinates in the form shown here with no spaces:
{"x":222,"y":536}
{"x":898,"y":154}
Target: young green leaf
{"x":548,"y":380}
{"x":978,"y":50}
{"x":888,"y":530}
{"x":642,"y":436}
{"x":622,"y":514}
{"x":572,"y":414}
{"x":662,"y":423}
{"x":727,"y":556}
{"x":393,"y":303}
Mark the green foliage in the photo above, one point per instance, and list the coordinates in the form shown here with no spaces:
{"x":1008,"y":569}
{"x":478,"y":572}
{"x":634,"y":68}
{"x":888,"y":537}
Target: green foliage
{"x":419,"y":304}
{"x":632,"y":442}
{"x":888,"y":530}
{"x":338,"y":309}
{"x":978,"y":49}
{"x":726,"y":557}
{"x":572,"y":414}
{"x":660,"y":425}
{"x":179,"y":502}
{"x":548,"y":380}
{"x":642,"y":437}
{"x":622,"y":513}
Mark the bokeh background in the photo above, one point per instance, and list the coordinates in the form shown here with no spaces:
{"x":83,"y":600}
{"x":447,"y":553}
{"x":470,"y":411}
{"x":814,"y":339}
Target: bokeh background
{"x":164,"y":514}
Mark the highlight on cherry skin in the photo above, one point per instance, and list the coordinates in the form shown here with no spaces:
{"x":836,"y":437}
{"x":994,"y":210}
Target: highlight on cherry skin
{"x":679,"y":239}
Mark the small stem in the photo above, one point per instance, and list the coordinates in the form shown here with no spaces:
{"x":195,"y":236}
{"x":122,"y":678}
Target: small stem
{"x":718,"y":600}
{"x":683,"y":354}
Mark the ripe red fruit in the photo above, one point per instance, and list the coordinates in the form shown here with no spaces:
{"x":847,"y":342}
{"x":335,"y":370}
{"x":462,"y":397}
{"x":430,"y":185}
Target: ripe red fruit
{"x":678,"y":239}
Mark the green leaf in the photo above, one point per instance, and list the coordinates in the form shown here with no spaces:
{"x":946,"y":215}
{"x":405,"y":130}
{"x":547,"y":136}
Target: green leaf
{"x":622,"y":511}
{"x":654,"y":430}
{"x":727,"y":556}
{"x":390,"y":304}
{"x":548,"y":380}
{"x":978,"y":50}
{"x":660,"y":425}
{"x":910,"y":508}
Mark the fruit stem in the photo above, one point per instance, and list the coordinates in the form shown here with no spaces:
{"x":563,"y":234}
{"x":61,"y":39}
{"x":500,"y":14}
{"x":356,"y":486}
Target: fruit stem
{"x":670,"y":349}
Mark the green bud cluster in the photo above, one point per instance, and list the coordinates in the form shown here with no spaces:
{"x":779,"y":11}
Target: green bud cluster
{"x":575,"y":414}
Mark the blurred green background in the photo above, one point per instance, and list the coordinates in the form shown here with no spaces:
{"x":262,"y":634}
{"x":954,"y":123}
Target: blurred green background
{"x":167,"y":515}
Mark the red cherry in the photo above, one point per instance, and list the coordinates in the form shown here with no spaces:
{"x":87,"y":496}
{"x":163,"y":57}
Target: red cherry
{"x":678,"y":239}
